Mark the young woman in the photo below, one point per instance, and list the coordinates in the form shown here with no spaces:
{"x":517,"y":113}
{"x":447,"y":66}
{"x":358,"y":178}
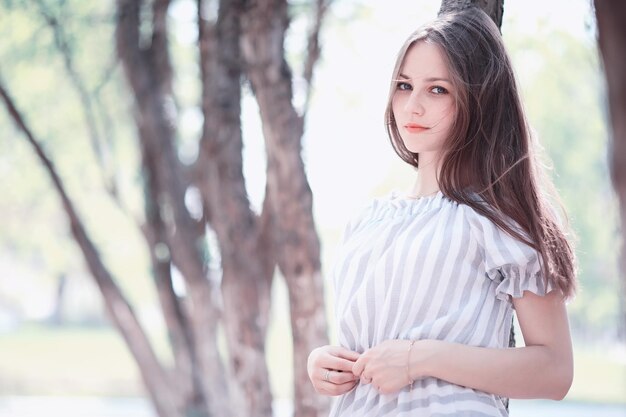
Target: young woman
{"x":426,"y":283}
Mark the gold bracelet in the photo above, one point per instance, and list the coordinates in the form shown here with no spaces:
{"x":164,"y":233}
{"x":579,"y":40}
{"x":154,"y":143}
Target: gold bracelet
{"x":408,"y":364}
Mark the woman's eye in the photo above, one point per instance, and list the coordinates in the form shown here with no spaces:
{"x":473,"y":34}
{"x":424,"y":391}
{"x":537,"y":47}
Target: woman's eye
{"x":438,"y":90}
{"x":403,"y":86}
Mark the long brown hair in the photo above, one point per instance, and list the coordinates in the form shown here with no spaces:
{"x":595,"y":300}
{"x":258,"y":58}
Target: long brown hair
{"x":490,"y":151}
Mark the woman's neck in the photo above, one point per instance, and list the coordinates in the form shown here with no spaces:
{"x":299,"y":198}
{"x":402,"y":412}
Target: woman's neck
{"x":426,"y":182}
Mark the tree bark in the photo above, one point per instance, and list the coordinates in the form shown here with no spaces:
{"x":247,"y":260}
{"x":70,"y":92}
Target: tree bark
{"x":247,"y":258}
{"x":611,"y":15}
{"x":149,"y":72}
{"x":494,"y":8}
{"x":294,"y":237}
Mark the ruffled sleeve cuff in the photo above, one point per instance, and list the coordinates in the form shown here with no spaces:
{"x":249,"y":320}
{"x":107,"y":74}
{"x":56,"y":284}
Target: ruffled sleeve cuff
{"x":513,"y":280}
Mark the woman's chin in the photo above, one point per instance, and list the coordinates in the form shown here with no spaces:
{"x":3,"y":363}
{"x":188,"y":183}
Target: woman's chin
{"x":414,"y":148}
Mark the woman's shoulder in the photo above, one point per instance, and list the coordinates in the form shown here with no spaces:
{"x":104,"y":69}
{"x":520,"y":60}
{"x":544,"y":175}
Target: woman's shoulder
{"x":488,"y":224}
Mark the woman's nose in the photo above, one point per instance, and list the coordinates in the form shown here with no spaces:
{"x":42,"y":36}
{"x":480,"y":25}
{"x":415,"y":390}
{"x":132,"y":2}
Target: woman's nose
{"x":414,"y":104}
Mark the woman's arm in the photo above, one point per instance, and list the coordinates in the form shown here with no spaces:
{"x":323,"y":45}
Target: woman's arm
{"x":541,"y":369}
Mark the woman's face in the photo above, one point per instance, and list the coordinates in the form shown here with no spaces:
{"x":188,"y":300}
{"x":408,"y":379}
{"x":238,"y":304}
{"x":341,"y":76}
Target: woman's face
{"x":423,"y":103}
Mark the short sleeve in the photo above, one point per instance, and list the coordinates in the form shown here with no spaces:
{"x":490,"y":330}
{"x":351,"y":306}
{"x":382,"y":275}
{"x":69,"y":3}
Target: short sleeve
{"x":512,"y":265}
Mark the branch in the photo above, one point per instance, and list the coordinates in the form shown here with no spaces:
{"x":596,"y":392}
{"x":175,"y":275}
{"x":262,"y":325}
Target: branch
{"x":149,"y":73}
{"x":101,"y":144}
{"x":127,"y":38}
{"x":222,"y":185}
{"x":108,"y":129}
{"x":107,"y":75}
{"x":159,"y":52}
{"x":156,"y":130}
{"x":295,"y":241}
{"x":220,"y":165}
{"x":177,"y":321}
{"x":313,"y":49}
{"x":118,"y":307}
{"x":62,"y":44}
{"x":267,"y":226}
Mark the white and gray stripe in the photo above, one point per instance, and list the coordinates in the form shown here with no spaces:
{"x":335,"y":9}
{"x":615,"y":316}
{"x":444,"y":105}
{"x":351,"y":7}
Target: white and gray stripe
{"x":427,"y":269}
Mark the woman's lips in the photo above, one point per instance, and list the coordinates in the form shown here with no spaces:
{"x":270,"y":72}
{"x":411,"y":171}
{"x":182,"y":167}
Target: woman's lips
{"x":415,"y":128}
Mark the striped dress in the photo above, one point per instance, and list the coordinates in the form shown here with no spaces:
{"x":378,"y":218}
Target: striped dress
{"x":427,"y":269}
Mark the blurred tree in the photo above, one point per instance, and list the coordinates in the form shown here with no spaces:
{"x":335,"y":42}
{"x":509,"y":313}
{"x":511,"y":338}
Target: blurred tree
{"x":559,"y":128}
{"x":494,"y":8}
{"x":563,"y":95}
{"x":610,"y":15}
{"x":251,"y":245}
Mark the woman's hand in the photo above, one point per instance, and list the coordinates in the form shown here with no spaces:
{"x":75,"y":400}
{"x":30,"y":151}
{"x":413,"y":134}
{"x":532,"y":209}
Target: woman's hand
{"x":330,"y":369}
{"x":385,"y":365}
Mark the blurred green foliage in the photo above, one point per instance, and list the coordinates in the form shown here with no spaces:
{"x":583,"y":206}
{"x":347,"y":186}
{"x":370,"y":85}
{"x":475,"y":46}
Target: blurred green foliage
{"x":564,"y":94}
{"x":35,"y":73}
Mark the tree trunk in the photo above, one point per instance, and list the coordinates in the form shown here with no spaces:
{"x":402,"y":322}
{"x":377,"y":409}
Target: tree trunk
{"x":247,"y":260}
{"x":148,"y":71}
{"x":494,"y":8}
{"x":294,"y":236}
{"x":611,"y":15}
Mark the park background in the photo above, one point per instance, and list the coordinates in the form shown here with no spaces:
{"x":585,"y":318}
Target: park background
{"x":55,"y":338}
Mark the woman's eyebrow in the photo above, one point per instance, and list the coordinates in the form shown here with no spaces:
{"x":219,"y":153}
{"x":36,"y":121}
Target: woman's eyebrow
{"x":432,"y":79}
{"x":429,"y":79}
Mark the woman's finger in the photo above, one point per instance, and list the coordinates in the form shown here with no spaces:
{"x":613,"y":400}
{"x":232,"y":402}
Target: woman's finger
{"x":337,"y":389}
{"x":333,"y":362}
{"x":344,"y":353}
{"x":328,"y":359}
{"x":359,"y":366}
{"x":337,"y":377}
